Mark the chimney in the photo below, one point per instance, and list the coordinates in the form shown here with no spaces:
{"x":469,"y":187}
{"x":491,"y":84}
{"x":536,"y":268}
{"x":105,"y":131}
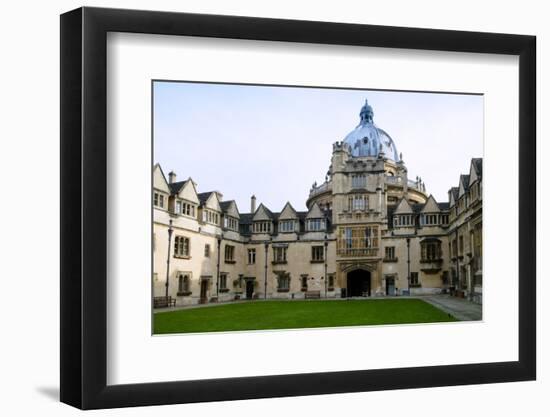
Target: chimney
{"x":253,"y":204}
{"x":171,"y":177}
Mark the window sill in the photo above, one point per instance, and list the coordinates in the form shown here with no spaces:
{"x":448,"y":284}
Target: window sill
{"x":415,"y":285}
{"x":283,"y":290}
{"x":184,"y":294}
{"x":229,"y":262}
{"x":182,"y":257}
{"x":224,"y":290}
{"x":317,"y":261}
{"x":330,"y":289}
{"x":303,"y":289}
{"x":389,"y":260}
{"x":279,"y":262}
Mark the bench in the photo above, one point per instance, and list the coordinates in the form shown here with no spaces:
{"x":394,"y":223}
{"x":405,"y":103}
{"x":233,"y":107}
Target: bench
{"x":159,"y":302}
{"x":313,"y":294}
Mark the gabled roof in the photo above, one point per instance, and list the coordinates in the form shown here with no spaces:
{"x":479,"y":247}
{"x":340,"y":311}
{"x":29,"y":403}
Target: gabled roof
{"x":210,"y":199}
{"x":453,"y":196}
{"x":225,"y":205}
{"x":403,"y":207}
{"x":463,"y":185}
{"x":288,"y":212}
{"x":430,"y":206}
{"x":230,"y":208}
{"x":185,"y":190}
{"x":478,"y":165}
{"x":315,"y":212}
{"x":476,"y":170}
{"x":159,"y":179}
{"x":263,"y":213}
{"x":203,"y":197}
{"x":175,"y":187}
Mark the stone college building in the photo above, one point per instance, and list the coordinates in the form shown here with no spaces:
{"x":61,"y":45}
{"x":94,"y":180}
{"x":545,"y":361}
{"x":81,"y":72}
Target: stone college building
{"x":369,"y":231}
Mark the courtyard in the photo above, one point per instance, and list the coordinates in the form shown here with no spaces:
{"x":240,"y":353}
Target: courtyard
{"x":298,"y":314}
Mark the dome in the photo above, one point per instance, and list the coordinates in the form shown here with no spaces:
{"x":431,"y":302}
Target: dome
{"x":367,"y":139}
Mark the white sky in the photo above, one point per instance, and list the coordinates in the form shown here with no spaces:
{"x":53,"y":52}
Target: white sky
{"x":274,"y":142}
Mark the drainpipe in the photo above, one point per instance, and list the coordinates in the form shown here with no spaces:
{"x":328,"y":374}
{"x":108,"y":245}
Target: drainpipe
{"x":218,"y":268}
{"x":457,"y":262}
{"x":409,"y":265}
{"x":326,"y":256}
{"x":170,"y":230}
{"x":266,"y":245}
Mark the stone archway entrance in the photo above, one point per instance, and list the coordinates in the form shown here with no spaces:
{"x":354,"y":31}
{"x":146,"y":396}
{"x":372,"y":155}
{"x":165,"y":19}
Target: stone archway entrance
{"x":359,"y":283}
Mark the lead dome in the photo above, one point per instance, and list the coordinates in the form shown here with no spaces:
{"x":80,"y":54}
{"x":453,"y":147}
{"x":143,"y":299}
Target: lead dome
{"x":367,"y":139}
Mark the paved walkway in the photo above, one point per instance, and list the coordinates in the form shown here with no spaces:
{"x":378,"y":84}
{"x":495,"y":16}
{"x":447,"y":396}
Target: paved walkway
{"x":459,"y":308}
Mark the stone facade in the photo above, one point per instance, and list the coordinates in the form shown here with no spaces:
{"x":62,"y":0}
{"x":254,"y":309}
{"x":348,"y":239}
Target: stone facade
{"x":369,"y":231}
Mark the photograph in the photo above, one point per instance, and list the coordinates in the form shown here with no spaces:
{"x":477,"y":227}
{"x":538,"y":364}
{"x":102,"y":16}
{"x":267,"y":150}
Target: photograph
{"x":290,"y":207}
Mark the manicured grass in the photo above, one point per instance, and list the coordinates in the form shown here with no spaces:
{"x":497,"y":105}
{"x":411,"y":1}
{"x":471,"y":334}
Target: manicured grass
{"x":262,"y":315}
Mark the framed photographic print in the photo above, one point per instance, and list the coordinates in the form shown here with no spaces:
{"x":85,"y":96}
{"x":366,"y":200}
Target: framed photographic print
{"x":257,"y":208}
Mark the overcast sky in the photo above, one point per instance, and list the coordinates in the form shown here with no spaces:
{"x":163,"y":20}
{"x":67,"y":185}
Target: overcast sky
{"x":274,"y":142}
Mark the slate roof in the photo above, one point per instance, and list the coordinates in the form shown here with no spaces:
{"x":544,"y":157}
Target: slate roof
{"x":203,"y":197}
{"x":225,"y":205}
{"x":478,"y":166}
{"x":175,"y":187}
{"x":465,"y":180}
{"x":443,"y":206}
{"x":246,"y":220}
{"x":454,"y":192}
{"x":417,"y":208}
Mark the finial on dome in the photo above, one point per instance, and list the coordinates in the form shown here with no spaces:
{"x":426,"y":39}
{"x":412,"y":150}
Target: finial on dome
{"x":366,"y":113}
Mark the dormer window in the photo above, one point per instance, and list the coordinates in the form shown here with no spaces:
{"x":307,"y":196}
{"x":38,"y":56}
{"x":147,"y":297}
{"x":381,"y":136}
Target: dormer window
{"x":184,"y":208}
{"x":158,"y":200}
{"x":262,"y":227}
{"x":212,"y":217}
{"x":403,"y":220}
{"x":429,"y":219}
{"x":314,"y":225}
{"x":286,"y":226}
{"x":230,"y":223}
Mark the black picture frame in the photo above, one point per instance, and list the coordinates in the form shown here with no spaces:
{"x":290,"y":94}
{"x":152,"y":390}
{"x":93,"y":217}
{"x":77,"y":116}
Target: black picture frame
{"x":84,"y":207}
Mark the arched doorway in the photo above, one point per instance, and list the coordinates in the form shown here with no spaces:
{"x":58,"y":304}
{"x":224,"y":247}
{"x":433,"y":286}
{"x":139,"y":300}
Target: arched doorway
{"x":359,"y":283}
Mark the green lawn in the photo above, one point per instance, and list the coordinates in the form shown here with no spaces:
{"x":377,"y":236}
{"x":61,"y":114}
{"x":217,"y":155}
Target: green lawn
{"x":260,"y":315}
